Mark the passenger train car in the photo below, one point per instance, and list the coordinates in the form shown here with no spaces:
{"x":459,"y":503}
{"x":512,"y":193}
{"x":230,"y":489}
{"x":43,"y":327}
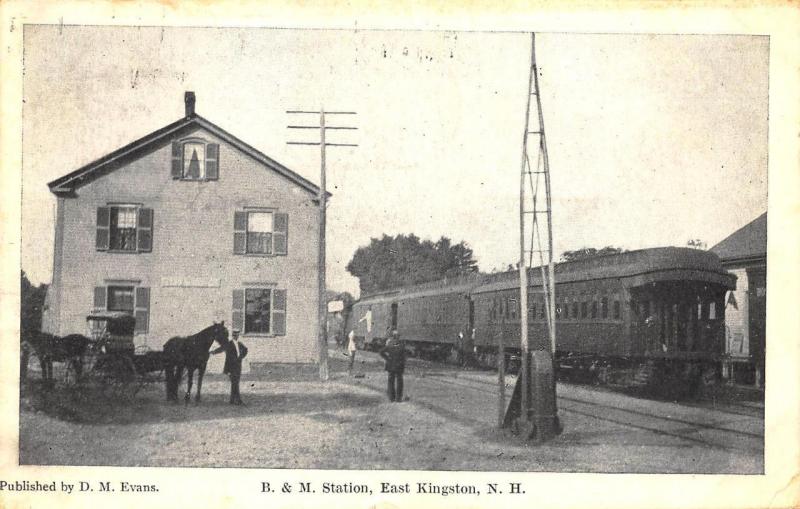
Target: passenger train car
{"x":639,"y":317}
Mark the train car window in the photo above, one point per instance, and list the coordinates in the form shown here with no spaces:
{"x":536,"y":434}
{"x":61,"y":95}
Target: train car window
{"x":617,"y":310}
{"x":604,"y":307}
{"x":574,"y":310}
{"x":566,"y":310}
{"x":584,"y":309}
{"x":533,"y":311}
{"x":558,"y":311}
{"x":542,"y":310}
{"x":712,"y":310}
{"x":594,"y":309}
{"x":513,"y":307}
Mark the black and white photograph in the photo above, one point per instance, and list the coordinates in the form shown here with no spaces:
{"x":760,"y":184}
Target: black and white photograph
{"x":422,"y":254}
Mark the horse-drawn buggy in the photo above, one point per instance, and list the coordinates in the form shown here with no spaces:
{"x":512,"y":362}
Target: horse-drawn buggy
{"x":106,"y":360}
{"x":114,"y":363}
{"x":109,"y":361}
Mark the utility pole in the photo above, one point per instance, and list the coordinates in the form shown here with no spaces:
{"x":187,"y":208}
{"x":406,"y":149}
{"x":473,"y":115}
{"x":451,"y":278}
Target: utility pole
{"x":323,"y":200}
{"x":537,"y":376}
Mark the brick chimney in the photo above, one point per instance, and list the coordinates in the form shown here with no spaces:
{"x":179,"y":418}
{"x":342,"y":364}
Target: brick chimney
{"x":188,"y":99}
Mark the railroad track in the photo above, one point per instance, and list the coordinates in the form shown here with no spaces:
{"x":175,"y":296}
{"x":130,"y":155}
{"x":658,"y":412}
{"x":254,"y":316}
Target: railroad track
{"x":731,"y":409}
{"x":730,"y":439}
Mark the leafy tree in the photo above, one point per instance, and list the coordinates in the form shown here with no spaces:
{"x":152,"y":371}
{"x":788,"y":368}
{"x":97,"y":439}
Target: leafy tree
{"x":389,"y":262}
{"x":696,"y":244}
{"x":32,"y":304}
{"x":589,"y":252}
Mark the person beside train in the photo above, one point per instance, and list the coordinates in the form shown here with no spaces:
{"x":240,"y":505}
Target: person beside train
{"x":352,"y":347}
{"x":394,"y":353}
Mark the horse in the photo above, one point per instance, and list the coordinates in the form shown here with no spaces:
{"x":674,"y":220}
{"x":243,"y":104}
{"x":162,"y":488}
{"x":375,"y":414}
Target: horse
{"x":50,"y":348}
{"x":190,"y":353}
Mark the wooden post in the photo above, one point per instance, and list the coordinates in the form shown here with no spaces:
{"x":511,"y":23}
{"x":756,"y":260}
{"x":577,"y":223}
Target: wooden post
{"x":323,"y":305}
{"x":322,"y":340}
{"x":501,"y":377}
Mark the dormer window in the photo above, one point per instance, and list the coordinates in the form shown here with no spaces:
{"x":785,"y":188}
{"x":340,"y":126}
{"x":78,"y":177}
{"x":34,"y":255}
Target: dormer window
{"x":195,"y":159}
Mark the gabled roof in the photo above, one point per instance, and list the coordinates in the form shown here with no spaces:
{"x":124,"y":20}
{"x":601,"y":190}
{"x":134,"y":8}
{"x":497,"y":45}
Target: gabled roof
{"x":747,"y":243}
{"x":68,"y":183}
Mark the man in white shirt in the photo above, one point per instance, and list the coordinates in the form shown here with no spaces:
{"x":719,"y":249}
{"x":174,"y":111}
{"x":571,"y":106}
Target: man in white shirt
{"x":351,"y":348}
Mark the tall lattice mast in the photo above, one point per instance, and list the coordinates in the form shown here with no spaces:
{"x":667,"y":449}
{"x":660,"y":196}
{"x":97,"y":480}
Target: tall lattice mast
{"x":536,"y":239}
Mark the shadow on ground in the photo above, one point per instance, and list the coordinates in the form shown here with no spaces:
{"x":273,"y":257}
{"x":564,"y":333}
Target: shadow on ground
{"x":77,"y":404}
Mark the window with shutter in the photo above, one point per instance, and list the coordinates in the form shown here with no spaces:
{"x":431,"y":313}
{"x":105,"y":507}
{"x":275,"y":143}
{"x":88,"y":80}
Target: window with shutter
{"x":237,"y":321}
{"x":144,"y":233}
{"x":132,"y":300}
{"x":177,"y":160}
{"x":260,"y":232}
{"x":124,"y":228}
{"x":121,"y":298}
{"x":142,"y":310}
{"x":103,"y":224}
{"x":239,"y":232}
{"x":195,"y":159}
{"x":100,"y":297}
{"x":212,"y":161}
{"x":280,"y":235}
{"x":279,"y":312}
{"x":260,"y":311}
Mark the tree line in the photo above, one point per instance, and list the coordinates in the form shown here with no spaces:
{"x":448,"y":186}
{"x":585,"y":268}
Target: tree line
{"x":402,"y":260}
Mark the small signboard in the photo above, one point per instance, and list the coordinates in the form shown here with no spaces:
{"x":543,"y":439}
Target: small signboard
{"x":335,"y":306}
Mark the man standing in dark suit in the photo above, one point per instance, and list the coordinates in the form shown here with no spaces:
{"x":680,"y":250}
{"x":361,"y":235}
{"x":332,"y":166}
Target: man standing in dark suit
{"x":234,"y":353}
{"x":394,"y":353}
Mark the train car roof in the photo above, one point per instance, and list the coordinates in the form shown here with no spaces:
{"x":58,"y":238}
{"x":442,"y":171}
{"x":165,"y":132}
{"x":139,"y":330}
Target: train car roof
{"x":703,"y":265}
{"x":439,"y":287}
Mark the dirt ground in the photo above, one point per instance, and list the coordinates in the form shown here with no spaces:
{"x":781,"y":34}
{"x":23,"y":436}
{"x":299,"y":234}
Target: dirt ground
{"x":294,"y":421}
{"x":290,"y":421}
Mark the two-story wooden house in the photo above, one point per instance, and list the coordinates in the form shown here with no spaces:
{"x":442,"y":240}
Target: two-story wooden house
{"x":183,"y":227}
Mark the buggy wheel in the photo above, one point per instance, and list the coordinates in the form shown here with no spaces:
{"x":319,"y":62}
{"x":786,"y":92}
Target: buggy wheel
{"x":71,"y":373}
{"x":120,"y":380}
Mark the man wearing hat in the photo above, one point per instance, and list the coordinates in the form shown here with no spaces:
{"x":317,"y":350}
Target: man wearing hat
{"x":235,"y":351}
{"x":394,"y":353}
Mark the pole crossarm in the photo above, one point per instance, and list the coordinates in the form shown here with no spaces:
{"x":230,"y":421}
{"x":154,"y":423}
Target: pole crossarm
{"x":317,"y":127}
{"x":317,"y":144}
{"x":321,"y":201}
{"x":318,"y":112}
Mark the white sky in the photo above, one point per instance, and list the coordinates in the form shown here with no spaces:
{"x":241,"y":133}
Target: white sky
{"x":653,"y":140}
